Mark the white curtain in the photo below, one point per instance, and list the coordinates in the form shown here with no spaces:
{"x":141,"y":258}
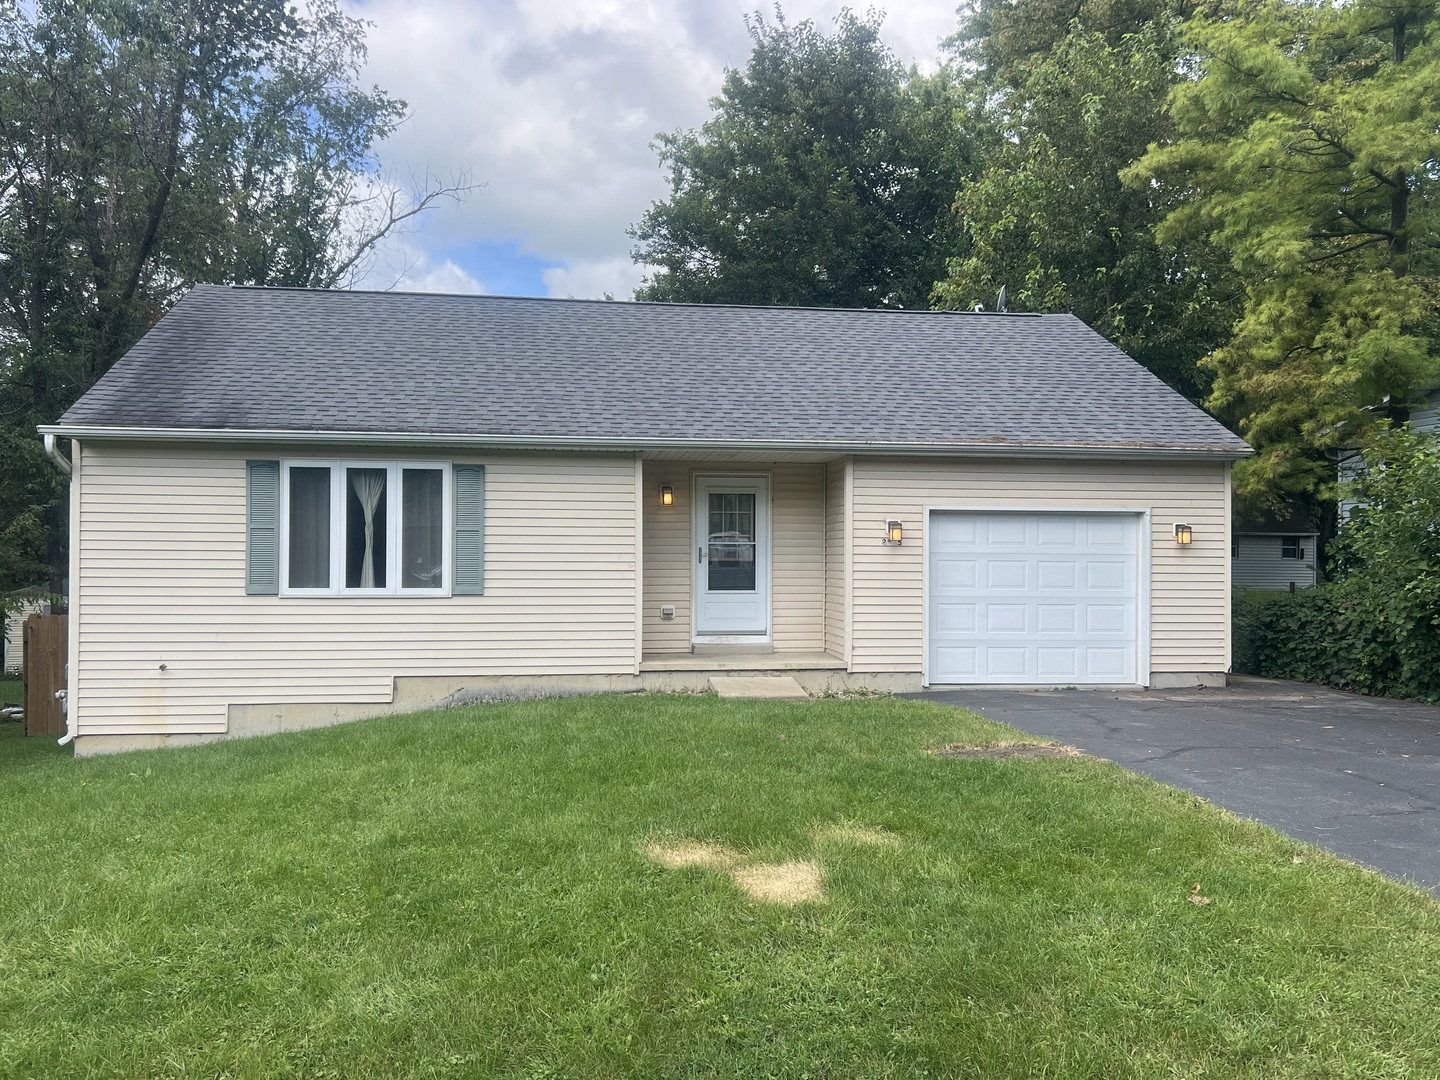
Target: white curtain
{"x":369,"y":485}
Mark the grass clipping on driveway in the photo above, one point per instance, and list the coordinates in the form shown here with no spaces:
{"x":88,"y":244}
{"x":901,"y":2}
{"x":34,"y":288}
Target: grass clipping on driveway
{"x":604,"y":887}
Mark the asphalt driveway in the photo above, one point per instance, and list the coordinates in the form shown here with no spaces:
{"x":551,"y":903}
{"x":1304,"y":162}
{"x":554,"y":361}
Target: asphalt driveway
{"x":1359,"y":776}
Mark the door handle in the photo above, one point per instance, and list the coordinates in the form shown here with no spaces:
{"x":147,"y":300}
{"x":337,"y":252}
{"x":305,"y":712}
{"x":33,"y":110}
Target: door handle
{"x":700,"y":554}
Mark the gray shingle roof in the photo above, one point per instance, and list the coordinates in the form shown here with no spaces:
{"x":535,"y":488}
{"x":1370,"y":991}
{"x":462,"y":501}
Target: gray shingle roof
{"x":629,"y":374}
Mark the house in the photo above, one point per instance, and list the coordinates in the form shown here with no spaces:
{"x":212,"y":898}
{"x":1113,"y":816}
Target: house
{"x":12,"y":640}
{"x":295,"y":507}
{"x":1421,"y":416}
{"x":1273,"y":550}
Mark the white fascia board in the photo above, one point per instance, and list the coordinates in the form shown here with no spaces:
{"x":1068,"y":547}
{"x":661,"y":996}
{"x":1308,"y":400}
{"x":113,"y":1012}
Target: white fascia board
{"x":530,"y":442}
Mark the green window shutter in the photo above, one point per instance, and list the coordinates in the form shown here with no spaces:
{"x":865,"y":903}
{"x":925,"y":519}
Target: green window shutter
{"x":262,"y":528}
{"x":469,"y":530}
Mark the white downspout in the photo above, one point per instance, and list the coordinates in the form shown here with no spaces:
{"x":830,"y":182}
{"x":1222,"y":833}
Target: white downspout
{"x":64,"y":463}
{"x":55,"y":454}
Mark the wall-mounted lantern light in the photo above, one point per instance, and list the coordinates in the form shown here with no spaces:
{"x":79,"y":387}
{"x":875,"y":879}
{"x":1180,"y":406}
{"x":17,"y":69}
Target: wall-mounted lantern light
{"x":894,"y":532}
{"x":667,"y":495}
{"x":1182,"y":533}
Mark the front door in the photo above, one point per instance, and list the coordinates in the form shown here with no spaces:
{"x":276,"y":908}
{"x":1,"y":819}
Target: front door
{"x":732,"y":556}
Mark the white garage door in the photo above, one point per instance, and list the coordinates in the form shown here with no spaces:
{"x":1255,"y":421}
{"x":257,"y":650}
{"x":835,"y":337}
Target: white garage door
{"x":1033,"y":598}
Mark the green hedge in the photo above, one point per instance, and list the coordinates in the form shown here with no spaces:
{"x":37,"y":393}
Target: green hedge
{"x":1352,"y":634}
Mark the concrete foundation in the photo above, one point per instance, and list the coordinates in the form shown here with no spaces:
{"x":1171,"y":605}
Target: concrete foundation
{"x":417,"y":694}
{"x":1179,"y":680}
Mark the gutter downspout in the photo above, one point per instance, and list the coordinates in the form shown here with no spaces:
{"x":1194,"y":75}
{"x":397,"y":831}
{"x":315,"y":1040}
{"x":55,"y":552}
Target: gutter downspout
{"x":64,"y":465}
{"x":56,"y":456}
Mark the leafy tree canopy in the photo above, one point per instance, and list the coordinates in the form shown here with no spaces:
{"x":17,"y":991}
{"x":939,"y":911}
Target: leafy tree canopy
{"x":1051,"y":222}
{"x":1002,"y":37}
{"x":149,"y":145}
{"x":824,"y":178}
{"x":1308,"y":151}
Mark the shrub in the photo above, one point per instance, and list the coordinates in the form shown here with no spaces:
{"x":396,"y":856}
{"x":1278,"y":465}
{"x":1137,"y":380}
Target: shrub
{"x":1375,"y":628}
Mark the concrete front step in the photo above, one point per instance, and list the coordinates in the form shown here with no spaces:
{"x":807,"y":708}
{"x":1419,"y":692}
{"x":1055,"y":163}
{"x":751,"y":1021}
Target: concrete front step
{"x":758,"y":686}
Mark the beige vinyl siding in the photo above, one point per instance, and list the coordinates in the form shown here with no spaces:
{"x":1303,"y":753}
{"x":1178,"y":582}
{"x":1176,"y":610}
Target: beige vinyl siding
{"x":836,"y":572}
{"x":161,"y":581}
{"x":667,"y":558}
{"x":1190,"y":601}
{"x":797,"y":554}
{"x":797,"y":561}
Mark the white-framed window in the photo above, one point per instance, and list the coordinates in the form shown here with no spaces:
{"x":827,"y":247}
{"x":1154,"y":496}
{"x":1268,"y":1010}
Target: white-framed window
{"x":1292,"y":547}
{"x":365,"y":528}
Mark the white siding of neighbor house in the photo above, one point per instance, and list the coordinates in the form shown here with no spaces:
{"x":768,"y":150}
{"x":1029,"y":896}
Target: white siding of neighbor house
{"x":1428,"y":417}
{"x":837,"y":575}
{"x":1260,"y":565}
{"x":797,"y":556}
{"x":1190,"y":591}
{"x":161,"y":580}
{"x":14,"y":627}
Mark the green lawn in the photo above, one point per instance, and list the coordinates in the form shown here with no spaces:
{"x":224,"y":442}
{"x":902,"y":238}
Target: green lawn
{"x":468,"y":894}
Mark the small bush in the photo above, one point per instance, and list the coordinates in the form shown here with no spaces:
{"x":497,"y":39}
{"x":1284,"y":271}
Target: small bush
{"x":1376,"y":627}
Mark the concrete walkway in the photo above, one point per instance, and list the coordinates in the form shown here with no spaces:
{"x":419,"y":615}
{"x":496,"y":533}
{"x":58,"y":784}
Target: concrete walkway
{"x":1359,"y":776}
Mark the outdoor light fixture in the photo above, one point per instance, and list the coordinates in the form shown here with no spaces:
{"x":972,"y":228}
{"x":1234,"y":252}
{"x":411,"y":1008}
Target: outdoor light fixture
{"x":667,"y":495}
{"x":1182,"y":533}
{"x":894,"y":532}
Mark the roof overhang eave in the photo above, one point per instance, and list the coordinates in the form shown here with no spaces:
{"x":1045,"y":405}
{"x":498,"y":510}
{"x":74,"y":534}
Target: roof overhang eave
{"x":531,"y":442}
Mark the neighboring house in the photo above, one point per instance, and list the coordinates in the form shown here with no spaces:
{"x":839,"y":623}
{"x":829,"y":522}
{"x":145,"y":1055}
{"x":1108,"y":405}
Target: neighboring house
{"x":293,"y":507}
{"x":12,"y":642}
{"x":1273,"y":551}
{"x":1422,"y":416}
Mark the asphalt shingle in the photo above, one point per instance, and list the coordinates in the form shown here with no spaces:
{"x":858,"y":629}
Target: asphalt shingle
{"x":475,"y":366}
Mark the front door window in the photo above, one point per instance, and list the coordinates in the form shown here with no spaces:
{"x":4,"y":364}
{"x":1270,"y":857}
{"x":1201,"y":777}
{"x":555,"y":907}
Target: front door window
{"x":732,"y":541}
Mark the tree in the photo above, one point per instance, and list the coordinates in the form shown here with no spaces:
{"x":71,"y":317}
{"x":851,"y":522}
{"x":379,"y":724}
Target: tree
{"x":150,"y":145}
{"x":1051,"y":222}
{"x":824,"y":178}
{"x":1308,"y":152}
{"x":1002,"y":38}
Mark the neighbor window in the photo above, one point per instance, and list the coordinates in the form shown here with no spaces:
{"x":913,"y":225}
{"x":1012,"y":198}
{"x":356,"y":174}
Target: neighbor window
{"x":365,"y":527}
{"x":1292,"y":547}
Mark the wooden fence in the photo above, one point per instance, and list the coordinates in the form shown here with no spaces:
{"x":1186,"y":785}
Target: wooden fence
{"x":46,"y":647}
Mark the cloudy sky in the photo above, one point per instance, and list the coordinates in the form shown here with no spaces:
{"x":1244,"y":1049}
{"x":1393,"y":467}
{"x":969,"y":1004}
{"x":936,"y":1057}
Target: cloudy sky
{"x":552,"y":106}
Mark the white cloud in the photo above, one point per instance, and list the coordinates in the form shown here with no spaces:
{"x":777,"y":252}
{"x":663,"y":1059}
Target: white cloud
{"x":552,"y":106}
{"x":591,"y":279}
{"x":445,"y":278}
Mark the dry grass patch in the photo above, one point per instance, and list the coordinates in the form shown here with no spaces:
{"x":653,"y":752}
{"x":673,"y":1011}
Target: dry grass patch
{"x":678,"y":854}
{"x":796,"y":882}
{"x":850,"y":832}
{"x":1004,"y":750}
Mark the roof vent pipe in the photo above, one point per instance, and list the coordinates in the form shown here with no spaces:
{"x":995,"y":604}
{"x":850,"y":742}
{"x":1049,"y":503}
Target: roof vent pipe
{"x":55,"y":454}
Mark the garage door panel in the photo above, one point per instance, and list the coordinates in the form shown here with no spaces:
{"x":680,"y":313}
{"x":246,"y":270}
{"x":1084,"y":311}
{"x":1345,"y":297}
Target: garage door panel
{"x":1026,"y":597}
{"x":1107,"y":664}
{"x":1001,"y":532}
{"x":1056,"y":618}
{"x":1115,"y":533}
{"x":1007,"y":574}
{"x":955,"y":573}
{"x":1006,"y":662}
{"x":1056,"y":532}
{"x":1057,"y":663}
{"x":958,"y":618}
{"x":1108,"y":576}
{"x":960,"y":662}
{"x":1057,"y":575}
{"x":1006,"y":618}
{"x":1108,"y":618}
